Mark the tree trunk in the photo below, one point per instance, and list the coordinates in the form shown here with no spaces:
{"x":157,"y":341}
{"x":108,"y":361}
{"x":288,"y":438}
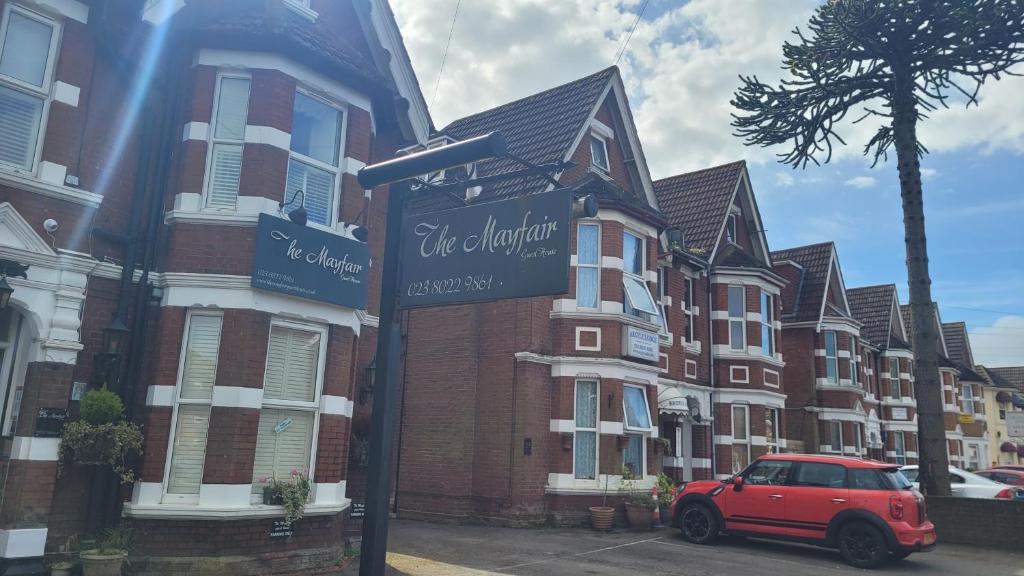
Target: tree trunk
{"x":931,"y":430}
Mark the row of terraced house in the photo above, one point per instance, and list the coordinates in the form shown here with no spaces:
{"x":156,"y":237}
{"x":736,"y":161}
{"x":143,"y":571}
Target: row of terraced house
{"x":141,"y":145}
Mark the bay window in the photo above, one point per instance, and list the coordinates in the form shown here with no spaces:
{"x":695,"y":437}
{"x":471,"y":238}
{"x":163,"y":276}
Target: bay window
{"x":737,"y":326}
{"x":636,"y":419}
{"x":831,"y":358}
{"x":894,"y":378}
{"x":291,"y":398}
{"x":588,"y":263}
{"x":584,"y":456}
{"x":767,"y":317}
{"x":638,"y":300}
{"x":227,"y":140}
{"x":740,"y":438}
{"x":196,"y":377}
{"x":28,"y":47}
{"x":315,"y":157}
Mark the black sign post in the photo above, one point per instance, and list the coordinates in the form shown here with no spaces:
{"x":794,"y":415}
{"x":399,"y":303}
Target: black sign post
{"x":509,"y":249}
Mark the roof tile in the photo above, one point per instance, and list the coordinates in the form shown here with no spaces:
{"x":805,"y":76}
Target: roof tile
{"x":872,"y":307}
{"x":698,"y":202}
{"x":815,"y":259}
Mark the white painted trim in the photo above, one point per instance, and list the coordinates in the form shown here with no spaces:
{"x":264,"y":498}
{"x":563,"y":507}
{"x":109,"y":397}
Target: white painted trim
{"x":67,"y":8}
{"x":563,"y":426}
{"x":590,"y":330}
{"x":746,"y":280}
{"x":613,"y":428}
{"x":568,"y":484}
{"x":160,"y":395}
{"x":764,"y":376}
{"x":337,"y":405}
{"x":237,"y":397}
{"x":687,"y":372}
{"x":680,"y":462}
{"x":615,"y":368}
{"x":330,"y":493}
{"x":226,"y":513}
{"x":147,"y":493}
{"x":745,"y":374}
{"x":36,"y":449}
{"x":268,"y":135}
{"x":601,"y":130}
{"x":630,"y":223}
{"x":52,"y":173}
{"x":613,"y":262}
{"x":742,"y":395}
{"x":196,"y":131}
{"x":352,"y":166}
{"x":225,"y":495}
{"x":24,"y":181}
{"x":66,"y":93}
{"x":383,"y":21}
{"x":22,"y":543}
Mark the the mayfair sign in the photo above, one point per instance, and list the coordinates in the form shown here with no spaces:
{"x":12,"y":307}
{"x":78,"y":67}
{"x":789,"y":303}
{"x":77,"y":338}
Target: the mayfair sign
{"x":310,"y":263}
{"x":507,"y":249}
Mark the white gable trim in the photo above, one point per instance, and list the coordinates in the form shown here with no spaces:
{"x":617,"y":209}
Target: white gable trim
{"x":765,"y":253}
{"x":386,"y":28}
{"x":17,"y":233}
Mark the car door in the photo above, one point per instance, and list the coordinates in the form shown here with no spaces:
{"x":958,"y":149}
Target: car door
{"x":958,"y":485}
{"x":818,"y":491}
{"x":759,"y":505}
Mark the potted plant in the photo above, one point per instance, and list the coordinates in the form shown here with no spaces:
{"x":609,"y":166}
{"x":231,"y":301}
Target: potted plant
{"x":292,"y":493}
{"x":639,"y":503}
{"x":101,"y":437}
{"x":601,"y":517}
{"x":666,"y":494}
{"x":110,"y":554}
{"x":62,"y":568}
{"x":662,"y":446}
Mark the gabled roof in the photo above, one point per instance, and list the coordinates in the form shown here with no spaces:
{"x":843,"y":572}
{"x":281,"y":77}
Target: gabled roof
{"x":1013,"y":375}
{"x":957,"y":343}
{"x":818,"y":262}
{"x":699,"y":202}
{"x":873,"y":307}
{"x":908,"y":321}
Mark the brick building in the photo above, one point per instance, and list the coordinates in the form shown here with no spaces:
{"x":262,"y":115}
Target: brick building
{"x":140,"y":142}
{"x":974,"y":414}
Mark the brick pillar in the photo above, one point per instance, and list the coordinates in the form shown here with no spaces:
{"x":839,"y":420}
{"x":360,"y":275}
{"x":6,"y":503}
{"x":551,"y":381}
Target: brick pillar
{"x":32,"y":470}
{"x":335,"y":417}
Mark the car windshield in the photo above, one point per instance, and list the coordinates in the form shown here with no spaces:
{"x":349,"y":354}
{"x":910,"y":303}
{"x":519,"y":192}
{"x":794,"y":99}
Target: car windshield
{"x":897,"y":479}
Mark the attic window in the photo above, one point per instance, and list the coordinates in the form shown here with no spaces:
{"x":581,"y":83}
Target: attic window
{"x":598,"y":152}
{"x":730,"y":228}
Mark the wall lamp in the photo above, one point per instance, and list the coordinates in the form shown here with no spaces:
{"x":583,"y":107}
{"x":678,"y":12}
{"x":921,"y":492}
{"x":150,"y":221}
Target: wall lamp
{"x":9,"y":268}
{"x":298,"y":215}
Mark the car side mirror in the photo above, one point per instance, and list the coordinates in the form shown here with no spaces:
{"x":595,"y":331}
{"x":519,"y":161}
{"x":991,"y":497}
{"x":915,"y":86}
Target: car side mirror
{"x":737,"y":483}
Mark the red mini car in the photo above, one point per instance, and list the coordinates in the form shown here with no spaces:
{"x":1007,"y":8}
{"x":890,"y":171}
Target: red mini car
{"x":865,"y":509}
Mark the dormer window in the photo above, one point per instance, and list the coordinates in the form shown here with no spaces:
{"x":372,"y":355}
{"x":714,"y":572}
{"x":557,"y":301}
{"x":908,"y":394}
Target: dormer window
{"x":730,"y":228}
{"x":598,"y":152}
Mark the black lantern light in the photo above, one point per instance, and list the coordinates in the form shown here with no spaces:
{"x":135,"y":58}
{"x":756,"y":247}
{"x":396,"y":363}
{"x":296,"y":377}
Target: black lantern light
{"x":9,"y":268}
{"x":366,"y":391}
{"x":5,"y":292}
{"x":113,"y":335}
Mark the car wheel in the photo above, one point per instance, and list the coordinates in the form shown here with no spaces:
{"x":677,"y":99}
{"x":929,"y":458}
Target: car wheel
{"x":862,"y":545}
{"x":901,"y":554}
{"x":698,"y":524}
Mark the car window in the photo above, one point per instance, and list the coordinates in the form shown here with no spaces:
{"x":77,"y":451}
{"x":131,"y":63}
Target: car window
{"x":910,"y":474}
{"x":898,"y":479}
{"x":866,"y":479}
{"x":815,"y":474}
{"x":768,"y":473}
{"x":957,"y":479}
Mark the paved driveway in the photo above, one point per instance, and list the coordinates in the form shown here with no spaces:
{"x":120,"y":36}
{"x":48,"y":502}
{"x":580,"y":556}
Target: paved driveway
{"x":418,"y":548}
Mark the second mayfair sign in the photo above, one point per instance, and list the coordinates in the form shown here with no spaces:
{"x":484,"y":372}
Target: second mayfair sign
{"x":310,"y":263}
{"x":507,"y":249}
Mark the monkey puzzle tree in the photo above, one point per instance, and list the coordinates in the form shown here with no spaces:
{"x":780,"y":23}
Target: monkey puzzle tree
{"x":893,"y":60}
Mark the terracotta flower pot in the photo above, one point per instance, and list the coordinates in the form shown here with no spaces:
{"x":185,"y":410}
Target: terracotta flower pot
{"x":96,"y":564}
{"x":601,"y":517}
{"x":640,"y":517}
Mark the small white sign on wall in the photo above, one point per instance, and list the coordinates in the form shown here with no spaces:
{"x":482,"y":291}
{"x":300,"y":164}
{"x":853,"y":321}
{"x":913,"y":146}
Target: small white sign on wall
{"x":640,"y":343}
{"x":899,"y":413}
{"x":1015,"y":424}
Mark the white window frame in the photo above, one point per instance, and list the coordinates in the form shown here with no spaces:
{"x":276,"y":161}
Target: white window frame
{"x":689,"y":331}
{"x":741,"y":319}
{"x":604,"y":144}
{"x":638,"y":313}
{"x":595,"y":429}
{"x":899,"y":446}
{"x":732,"y":428}
{"x":894,"y":381}
{"x":833,"y":360}
{"x":730,"y":228}
{"x":44,"y":92}
{"x":773,"y":447}
{"x":596,"y":265}
{"x":967,"y":399}
{"x":310,"y":406}
{"x":212,"y":140}
{"x":643,"y":454}
{"x":662,"y":292}
{"x":858,"y":438}
{"x":179,"y":401}
{"x":647,"y":407}
{"x":833,"y":426}
{"x":337,"y":171}
{"x":767,"y":324}
{"x":854,"y":362}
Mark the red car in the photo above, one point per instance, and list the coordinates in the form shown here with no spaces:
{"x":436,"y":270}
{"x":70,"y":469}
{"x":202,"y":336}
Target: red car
{"x":1017,"y":467}
{"x":1005,"y":475}
{"x":866,"y":509}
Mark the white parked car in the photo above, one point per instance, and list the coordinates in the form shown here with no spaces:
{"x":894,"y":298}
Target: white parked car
{"x":966,"y":484}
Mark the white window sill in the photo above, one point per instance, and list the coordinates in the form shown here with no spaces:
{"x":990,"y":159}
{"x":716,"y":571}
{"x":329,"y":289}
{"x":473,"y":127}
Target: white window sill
{"x":301,"y":9}
{"x":30,"y":182}
{"x":195,"y":512}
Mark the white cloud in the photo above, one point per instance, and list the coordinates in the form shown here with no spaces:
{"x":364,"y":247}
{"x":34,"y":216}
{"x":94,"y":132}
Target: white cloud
{"x":1001,"y":344}
{"x":862,"y":182}
{"x":784,"y":179}
{"x":680,"y":70}
{"x":929,"y":173}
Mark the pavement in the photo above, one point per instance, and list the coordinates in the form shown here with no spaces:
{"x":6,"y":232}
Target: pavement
{"x":422,"y":549}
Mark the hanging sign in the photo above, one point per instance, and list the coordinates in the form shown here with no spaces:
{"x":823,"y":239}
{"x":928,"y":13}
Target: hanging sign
{"x":1015,"y":424}
{"x":509,"y":249}
{"x":309,"y":263}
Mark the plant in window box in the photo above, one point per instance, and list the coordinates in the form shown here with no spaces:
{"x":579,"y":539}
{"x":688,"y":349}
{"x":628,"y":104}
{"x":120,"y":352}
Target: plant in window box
{"x":640,"y":504}
{"x":292,"y":493}
{"x":101,"y":437}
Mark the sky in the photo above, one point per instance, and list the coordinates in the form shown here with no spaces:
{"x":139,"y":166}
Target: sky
{"x":681,"y":67}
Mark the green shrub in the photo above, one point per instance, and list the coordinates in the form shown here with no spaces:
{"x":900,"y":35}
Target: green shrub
{"x":101,"y":407}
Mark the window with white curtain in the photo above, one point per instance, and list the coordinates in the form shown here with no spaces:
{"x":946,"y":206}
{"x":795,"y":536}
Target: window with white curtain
{"x":227,"y":140}
{"x":588,"y":264}
{"x":634,"y":456}
{"x":584,"y":455}
{"x":737,"y":325}
{"x":196,"y":377}
{"x":688,"y":311}
{"x":315,"y":157}
{"x":291,"y":394}
{"x":967,"y":399}
{"x":740,"y":437}
{"x":831,"y":358}
{"x":767,"y":317}
{"x":836,"y":436}
{"x":28,"y":49}
{"x":894,"y":378}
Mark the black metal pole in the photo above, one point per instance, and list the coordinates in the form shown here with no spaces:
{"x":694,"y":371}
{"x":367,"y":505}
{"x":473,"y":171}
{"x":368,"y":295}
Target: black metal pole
{"x":382,"y":426}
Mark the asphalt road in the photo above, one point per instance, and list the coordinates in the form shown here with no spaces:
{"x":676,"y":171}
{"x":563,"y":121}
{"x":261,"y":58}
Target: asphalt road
{"x":418,"y":548}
